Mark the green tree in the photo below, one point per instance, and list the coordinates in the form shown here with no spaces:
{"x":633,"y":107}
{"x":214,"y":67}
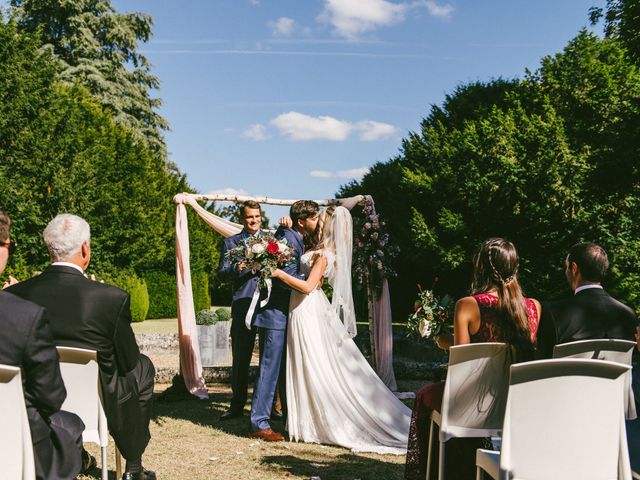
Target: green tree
{"x":97,"y":47}
{"x":622,"y":21}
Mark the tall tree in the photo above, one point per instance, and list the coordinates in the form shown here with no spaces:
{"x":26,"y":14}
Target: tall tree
{"x":97,"y":47}
{"x":621,"y":20}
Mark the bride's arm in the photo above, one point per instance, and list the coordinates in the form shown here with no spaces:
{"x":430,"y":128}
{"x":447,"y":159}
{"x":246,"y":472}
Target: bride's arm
{"x":308,"y":285}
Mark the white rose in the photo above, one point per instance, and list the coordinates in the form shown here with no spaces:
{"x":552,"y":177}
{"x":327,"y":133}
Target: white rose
{"x":425,"y":327}
{"x":258,"y":248}
{"x":283,"y":247}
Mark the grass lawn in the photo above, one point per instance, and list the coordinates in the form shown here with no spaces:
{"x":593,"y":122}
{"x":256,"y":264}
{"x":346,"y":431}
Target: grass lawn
{"x":188,"y":441}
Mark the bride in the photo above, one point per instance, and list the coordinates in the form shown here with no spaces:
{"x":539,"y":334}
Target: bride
{"x":333,"y":395}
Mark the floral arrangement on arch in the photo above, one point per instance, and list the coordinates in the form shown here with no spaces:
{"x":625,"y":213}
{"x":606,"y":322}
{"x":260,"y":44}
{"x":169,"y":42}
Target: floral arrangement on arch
{"x":373,"y":252}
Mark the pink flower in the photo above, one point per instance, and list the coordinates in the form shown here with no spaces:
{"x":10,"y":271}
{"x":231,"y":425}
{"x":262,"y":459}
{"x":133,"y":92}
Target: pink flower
{"x":367,"y":226}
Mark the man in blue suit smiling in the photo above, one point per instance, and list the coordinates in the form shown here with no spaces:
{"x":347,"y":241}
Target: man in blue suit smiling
{"x":244,"y":285}
{"x":271,"y":322}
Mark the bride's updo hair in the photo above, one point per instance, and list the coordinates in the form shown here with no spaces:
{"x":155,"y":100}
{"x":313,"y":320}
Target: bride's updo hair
{"x":324,"y":233}
{"x":496,"y":267}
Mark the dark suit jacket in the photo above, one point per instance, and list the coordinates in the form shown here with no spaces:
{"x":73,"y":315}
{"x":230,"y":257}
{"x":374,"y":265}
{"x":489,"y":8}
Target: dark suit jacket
{"x":26,"y":342}
{"x":590,"y":314}
{"x":244,"y":283}
{"x":88,"y":314}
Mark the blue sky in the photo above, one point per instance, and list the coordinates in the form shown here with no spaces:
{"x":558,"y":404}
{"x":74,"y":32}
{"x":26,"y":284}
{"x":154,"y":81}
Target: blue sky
{"x":293,"y":98}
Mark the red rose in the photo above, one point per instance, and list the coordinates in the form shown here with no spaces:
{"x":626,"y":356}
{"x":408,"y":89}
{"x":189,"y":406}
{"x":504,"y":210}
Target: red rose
{"x":273,"y":248}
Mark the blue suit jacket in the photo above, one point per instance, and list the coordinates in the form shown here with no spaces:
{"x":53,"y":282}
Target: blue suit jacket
{"x":244,"y":284}
{"x":274,"y":315}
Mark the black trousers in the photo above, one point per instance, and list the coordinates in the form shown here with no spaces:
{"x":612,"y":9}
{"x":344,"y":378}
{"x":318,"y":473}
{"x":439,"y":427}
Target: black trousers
{"x":59,"y":456}
{"x":242,"y":344}
{"x":129,"y":424}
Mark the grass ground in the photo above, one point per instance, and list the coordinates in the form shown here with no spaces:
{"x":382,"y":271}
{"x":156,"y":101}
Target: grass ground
{"x":189,"y":442}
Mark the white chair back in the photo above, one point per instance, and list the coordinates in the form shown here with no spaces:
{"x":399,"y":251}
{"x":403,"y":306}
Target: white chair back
{"x":79,"y":369}
{"x":564,"y":419}
{"x":475,"y":390}
{"x":612,"y":350}
{"x":16,"y":449}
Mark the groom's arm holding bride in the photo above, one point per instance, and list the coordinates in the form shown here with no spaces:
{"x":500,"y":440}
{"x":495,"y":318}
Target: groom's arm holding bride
{"x":308,"y":285}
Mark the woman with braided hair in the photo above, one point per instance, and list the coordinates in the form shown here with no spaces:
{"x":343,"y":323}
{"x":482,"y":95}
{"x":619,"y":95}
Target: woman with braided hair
{"x":496,"y":311}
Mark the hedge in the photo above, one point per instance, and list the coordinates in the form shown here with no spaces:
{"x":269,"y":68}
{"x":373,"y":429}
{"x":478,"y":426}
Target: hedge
{"x":162,"y":293}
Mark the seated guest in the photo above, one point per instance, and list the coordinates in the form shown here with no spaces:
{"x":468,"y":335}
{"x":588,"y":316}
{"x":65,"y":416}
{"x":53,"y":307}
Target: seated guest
{"x":93,"y":315}
{"x":497,"y":311}
{"x":26,"y":342}
{"x":590,"y":313}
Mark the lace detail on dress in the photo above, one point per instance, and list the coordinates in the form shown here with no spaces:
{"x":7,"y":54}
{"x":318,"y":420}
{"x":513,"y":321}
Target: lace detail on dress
{"x":489,"y":331}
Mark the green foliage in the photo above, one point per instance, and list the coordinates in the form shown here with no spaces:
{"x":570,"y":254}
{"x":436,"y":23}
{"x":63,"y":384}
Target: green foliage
{"x":162,"y":294}
{"x":96,"y":47}
{"x":200,"y":284}
{"x":223,"y":314}
{"x":546,"y":161}
{"x":135,"y":287}
{"x":621,"y":21}
{"x":207,"y":317}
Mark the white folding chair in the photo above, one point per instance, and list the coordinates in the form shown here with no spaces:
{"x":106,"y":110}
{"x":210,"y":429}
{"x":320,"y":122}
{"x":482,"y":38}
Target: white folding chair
{"x":564,"y":419}
{"x":612,"y":350}
{"x":80,"y":372}
{"x":16,"y":449}
{"x":475,"y":393}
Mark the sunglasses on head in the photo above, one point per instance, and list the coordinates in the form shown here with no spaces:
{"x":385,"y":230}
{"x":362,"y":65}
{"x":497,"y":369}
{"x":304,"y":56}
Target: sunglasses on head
{"x":10,"y":244}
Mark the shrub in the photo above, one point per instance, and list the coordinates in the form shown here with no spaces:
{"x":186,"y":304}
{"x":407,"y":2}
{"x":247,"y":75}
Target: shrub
{"x":200,"y":285}
{"x":223,"y":314}
{"x":135,"y":287}
{"x":206,"y":317}
{"x":162,"y":294}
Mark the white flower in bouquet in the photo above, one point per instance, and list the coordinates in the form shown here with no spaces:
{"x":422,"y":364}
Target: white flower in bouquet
{"x":283,"y":247}
{"x":425,"y":327}
{"x":257,"y":248}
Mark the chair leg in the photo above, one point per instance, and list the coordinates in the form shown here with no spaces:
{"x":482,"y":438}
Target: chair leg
{"x":105,"y":471}
{"x":441,"y":461}
{"x":430,"y":450}
{"x":479,"y":474}
{"x":118,"y":463}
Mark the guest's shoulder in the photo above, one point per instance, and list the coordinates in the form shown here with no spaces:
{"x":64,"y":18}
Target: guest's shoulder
{"x":623,"y":307}
{"x":105,"y":289}
{"x":13,"y":306}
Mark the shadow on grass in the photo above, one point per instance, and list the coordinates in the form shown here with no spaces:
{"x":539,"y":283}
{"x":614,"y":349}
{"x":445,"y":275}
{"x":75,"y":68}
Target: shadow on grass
{"x":206,"y":413}
{"x":329,"y":467}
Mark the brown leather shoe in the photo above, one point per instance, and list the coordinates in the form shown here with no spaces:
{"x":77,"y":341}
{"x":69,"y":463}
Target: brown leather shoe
{"x":268,"y":435}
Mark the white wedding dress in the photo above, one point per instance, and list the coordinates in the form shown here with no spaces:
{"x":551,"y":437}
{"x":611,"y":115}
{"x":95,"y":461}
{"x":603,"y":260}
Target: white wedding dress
{"x":333,"y":395}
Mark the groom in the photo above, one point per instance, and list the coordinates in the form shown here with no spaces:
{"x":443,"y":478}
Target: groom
{"x":271,"y":322}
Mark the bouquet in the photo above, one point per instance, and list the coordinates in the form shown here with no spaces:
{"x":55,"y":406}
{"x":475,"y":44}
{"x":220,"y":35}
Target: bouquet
{"x":262,"y":255}
{"x":430,"y":316}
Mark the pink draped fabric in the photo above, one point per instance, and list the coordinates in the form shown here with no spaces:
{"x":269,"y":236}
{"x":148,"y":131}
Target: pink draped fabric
{"x":190,"y":363}
{"x":383,"y":337}
{"x":189,"y":350}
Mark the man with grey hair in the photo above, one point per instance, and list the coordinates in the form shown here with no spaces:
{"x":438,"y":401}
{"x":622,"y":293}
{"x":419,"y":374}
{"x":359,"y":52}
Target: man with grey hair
{"x":93,"y":315}
{"x":26,"y":342}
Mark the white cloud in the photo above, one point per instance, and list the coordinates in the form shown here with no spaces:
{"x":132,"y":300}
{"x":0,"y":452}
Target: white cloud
{"x":254,"y":2}
{"x":370,"y":130}
{"x":256,"y":132}
{"x":355,"y":173}
{"x":228,"y":191}
{"x":283,"y":26}
{"x":439,"y":11}
{"x":298,"y":126}
{"x":351,"y":18}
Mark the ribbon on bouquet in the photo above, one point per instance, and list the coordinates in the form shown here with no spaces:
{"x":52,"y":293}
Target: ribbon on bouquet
{"x":254,"y":302}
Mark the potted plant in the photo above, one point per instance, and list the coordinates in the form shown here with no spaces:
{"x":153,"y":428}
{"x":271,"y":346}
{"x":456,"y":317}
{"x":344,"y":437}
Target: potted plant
{"x":213,"y":336}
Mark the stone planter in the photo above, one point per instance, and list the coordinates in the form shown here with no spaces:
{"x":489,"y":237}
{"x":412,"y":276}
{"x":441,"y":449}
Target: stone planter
{"x":215,"y":348}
